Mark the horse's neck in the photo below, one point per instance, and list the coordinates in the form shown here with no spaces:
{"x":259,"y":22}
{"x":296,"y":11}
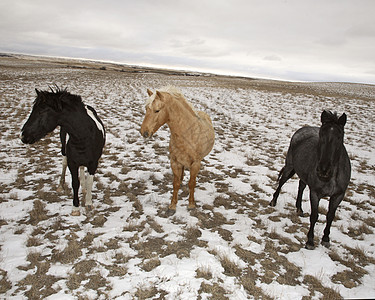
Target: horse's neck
{"x":181,"y":116}
{"x":75,"y":123}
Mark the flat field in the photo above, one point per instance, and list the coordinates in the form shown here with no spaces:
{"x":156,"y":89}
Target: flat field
{"x":233,"y":246}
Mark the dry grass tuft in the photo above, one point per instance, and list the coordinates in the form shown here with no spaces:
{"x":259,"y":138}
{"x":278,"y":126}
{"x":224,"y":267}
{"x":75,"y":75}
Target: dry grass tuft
{"x":144,"y":292}
{"x":217,"y":292}
{"x":5,"y":284}
{"x":150,"y":264}
{"x":38,"y":213}
{"x":230,"y":267}
{"x":314,"y":284}
{"x":204,"y":272}
{"x":71,"y":252}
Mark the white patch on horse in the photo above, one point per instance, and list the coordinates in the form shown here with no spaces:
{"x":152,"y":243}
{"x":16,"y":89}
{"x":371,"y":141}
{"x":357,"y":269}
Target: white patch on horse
{"x":92,"y":116}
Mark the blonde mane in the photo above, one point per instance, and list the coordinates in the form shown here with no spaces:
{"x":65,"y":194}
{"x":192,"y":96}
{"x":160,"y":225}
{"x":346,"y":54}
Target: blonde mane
{"x":174,"y":92}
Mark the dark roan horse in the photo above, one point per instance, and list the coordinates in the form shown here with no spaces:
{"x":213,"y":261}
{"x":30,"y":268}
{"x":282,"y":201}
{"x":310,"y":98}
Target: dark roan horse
{"x":82,"y":125}
{"x":319,"y":158}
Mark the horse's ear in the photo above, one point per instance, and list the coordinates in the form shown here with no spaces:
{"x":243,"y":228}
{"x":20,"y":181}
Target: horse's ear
{"x":325,"y":117}
{"x":149,"y":92}
{"x":342,"y":120}
{"x":37,"y":92}
{"x":160,"y":95}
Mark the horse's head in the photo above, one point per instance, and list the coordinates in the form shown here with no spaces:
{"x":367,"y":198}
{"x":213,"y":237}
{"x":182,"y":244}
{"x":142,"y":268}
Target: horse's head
{"x":331,"y":139}
{"x":156,"y":113}
{"x":43,"y":117}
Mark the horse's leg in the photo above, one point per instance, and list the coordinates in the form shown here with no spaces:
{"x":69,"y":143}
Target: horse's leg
{"x":177,"y":170}
{"x":182,"y":173}
{"x":194,"y":169}
{"x":301,"y":188}
{"x":314,"y":202}
{"x":61,"y":186}
{"x":334,"y":202}
{"x":89,"y":182}
{"x":75,"y":184}
{"x":286,"y":173}
{"x":82,"y":180}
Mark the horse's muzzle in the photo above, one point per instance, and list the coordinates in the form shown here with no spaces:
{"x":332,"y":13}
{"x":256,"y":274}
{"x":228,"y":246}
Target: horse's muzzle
{"x":25,"y":139}
{"x":146,"y":134}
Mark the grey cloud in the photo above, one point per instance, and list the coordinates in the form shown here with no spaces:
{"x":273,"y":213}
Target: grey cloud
{"x":247,"y":37}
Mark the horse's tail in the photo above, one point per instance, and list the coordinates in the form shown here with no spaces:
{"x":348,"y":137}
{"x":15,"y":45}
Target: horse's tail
{"x":280,"y":173}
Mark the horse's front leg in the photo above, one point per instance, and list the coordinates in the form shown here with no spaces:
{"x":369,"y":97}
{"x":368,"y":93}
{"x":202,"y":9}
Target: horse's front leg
{"x":75,"y":184}
{"x":314,"y":202}
{"x":177,"y":170}
{"x":334,"y":202}
{"x":194,"y":169}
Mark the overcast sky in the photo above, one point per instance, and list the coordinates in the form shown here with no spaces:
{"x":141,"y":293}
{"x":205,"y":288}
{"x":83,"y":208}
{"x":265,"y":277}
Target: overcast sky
{"x":317,"y":40}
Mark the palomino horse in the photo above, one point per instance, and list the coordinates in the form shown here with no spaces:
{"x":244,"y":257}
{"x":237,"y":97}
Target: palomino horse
{"x":192,"y":135}
{"x":319,"y":158}
{"x":82,"y":124}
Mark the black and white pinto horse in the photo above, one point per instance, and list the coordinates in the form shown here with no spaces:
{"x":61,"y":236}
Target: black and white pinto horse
{"x":86,"y":136}
{"x":319,"y":158}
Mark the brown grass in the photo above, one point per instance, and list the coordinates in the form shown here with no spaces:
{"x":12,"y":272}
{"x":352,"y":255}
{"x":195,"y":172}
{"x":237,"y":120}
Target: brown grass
{"x":69,"y":254}
{"x":216,"y":291}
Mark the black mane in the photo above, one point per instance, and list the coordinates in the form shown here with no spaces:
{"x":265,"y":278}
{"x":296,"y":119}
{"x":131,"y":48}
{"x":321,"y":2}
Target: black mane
{"x":57,"y":98}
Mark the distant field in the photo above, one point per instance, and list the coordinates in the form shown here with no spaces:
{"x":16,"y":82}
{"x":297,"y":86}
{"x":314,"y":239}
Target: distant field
{"x":233,"y":246}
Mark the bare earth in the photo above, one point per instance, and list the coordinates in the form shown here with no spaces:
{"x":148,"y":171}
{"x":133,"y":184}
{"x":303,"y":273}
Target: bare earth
{"x":233,"y":246}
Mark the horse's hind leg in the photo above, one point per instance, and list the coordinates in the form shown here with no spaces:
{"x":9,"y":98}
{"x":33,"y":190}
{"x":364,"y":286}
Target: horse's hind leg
{"x":61,"y":186}
{"x":301,"y":188}
{"x":82,"y":180}
{"x":194,"y":169}
{"x":286,"y":173}
{"x":89,"y":183}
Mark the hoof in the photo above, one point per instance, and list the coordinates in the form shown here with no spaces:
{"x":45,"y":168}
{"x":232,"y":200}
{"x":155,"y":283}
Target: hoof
{"x":76,"y":212}
{"x":272,"y":203}
{"x":192,"y":207}
{"x":89,"y":207}
{"x":300,"y":213}
{"x":60,"y":189}
{"x":325,"y":244}
{"x":170,"y":212}
{"x":309,"y":247}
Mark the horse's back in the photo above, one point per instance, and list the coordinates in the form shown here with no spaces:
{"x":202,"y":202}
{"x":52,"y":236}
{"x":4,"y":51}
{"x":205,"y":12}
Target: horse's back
{"x":302,"y":152}
{"x":202,"y":115}
{"x":307,"y":134}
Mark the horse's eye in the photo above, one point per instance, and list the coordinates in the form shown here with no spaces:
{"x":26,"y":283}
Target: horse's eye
{"x":157,"y":110}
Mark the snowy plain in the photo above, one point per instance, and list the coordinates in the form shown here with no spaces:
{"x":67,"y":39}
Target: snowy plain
{"x":233,"y":246}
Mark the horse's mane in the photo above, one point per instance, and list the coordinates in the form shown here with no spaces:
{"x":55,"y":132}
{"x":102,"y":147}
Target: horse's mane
{"x":56,"y":97}
{"x":174,"y":92}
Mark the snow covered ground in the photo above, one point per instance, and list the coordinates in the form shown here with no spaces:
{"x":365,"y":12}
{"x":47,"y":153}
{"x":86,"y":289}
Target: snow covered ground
{"x":233,"y":246}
